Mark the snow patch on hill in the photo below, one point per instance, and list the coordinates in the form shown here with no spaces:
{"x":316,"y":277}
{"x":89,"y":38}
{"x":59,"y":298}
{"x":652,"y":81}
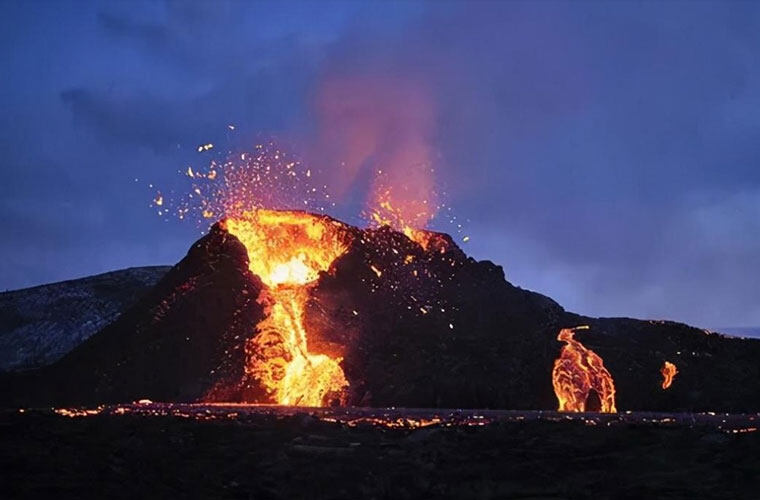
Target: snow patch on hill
{"x":39,"y":325}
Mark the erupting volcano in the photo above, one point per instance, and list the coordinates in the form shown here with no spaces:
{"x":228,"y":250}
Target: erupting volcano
{"x":300,"y":309}
{"x":288,"y":250}
{"x":295,"y":308}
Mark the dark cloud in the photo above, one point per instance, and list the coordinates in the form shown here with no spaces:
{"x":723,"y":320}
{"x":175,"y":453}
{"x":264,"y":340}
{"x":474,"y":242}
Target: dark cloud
{"x":131,"y":120}
{"x":153,"y":35}
{"x":607,"y":155}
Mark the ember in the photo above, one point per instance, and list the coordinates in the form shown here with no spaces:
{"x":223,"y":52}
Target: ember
{"x":577,"y":372}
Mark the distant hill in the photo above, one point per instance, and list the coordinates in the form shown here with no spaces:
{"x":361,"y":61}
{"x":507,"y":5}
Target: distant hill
{"x":745,"y":331}
{"x":39,"y":325}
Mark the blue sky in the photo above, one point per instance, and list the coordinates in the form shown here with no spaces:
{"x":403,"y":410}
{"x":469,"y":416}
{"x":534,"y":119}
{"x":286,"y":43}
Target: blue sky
{"x":606,"y":154}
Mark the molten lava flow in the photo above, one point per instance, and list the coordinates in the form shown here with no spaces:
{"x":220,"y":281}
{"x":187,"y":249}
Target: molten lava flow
{"x":669,"y":372}
{"x":579,"y":370}
{"x":288,"y":250}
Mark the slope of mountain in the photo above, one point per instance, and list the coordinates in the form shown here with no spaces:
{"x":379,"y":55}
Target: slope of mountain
{"x":39,"y":325}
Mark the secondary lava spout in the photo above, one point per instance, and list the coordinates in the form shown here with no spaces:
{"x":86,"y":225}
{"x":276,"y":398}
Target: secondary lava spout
{"x":288,"y":250}
{"x":669,"y":372}
{"x":577,"y":372}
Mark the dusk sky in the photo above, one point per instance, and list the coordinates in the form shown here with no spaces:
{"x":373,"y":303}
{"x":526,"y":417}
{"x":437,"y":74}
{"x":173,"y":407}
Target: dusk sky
{"x":606,"y":154}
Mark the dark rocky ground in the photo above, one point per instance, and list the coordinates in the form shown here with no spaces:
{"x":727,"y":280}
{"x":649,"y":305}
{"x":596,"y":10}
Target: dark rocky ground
{"x":272,"y":456}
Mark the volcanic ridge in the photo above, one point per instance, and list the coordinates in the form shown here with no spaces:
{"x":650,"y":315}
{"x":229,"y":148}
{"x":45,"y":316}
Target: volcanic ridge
{"x":292,"y":308}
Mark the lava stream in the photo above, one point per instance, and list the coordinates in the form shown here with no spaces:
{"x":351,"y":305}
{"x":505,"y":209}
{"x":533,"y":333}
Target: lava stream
{"x":669,"y":372}
{"x":288,"y":250}
{"x":577,"y":372}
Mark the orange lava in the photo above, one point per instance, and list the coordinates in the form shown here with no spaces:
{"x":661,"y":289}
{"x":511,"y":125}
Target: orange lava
{"x":669,"y":372}
{"x":577,"y":372}
{"x":288,"y":250}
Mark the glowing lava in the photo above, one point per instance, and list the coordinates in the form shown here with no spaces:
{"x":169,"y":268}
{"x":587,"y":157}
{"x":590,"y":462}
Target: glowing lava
{"x":577,"y":372}
{"x":288,"y":250}
{"x":669,"y":372}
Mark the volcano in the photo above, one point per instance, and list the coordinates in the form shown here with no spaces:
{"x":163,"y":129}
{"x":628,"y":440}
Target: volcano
{"x":292,"y":308}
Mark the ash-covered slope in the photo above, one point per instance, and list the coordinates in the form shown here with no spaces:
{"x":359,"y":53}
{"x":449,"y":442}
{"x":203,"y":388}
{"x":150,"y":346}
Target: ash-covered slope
{"x":418,"y":325}
{"x":434,"y":328}
{"x":39,"y":325}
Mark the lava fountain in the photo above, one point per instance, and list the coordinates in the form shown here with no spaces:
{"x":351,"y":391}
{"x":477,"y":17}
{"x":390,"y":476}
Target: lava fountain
{"x":288,"y":250}
{"x":577,"y":372}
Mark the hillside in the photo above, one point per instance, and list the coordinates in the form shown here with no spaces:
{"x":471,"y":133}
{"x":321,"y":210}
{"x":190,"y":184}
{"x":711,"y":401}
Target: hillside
{"x":39,"y":325}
